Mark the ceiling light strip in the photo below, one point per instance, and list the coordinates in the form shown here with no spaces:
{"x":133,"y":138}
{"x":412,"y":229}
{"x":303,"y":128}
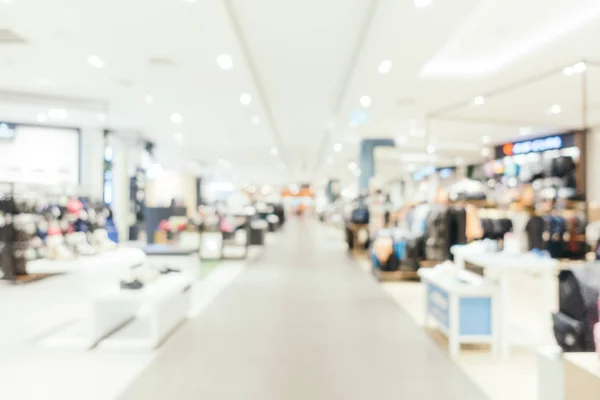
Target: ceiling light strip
{"x":501,"y":90}
{"x":344,"y":84}
{"x":238,"y":32}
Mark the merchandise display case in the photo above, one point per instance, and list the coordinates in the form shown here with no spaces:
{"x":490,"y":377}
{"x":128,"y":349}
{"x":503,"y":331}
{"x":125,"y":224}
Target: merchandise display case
{"x":463,"y":305}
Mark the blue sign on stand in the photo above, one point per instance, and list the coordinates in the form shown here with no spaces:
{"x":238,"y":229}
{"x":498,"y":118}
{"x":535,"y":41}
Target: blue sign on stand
{"x":439,"y":305}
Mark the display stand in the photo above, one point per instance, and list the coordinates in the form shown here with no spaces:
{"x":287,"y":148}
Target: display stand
{"x":96,"y":274}
{"x":211,"y":245}
{"x":463,"y":306}
{"x":160,"y":307}
{"x":499,"y":267}
{"x":394,"y":276}
{"x":178,"y":257}
{"x":120,"y":258}
{"x":258,"y":232}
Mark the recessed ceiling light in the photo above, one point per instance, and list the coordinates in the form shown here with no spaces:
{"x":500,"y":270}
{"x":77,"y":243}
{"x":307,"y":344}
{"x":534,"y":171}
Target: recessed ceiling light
{"x":58,"y":113}
{"x":255,"y":120}
{"x":352,"y":166}
{"x":485,"y":152}
{"x":575,"y":69}
{"x":96,"y":61}
{"x":274,"y":151}
{"x":554,"y":109}
{"x":430,"y":149}
{"x":365,"y":101}
{"x":479,"y":101}
{"x":338,"y":147}
{"x":423,"y":3}
{"x":245,"y":99}
{"x":42,"y":117}
{"x":525,"y":130}
{"x":176,"y":118}
{"x":101,"y":117}
{"x":486,"y":139}
{"x":225,"y":61}
{"x":385,"y":67}
{"x":329,"y":160}
{"x":149,"y":99}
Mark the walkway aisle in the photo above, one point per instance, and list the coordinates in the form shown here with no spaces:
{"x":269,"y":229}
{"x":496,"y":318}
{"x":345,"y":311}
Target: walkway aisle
{"x":302,"y":323}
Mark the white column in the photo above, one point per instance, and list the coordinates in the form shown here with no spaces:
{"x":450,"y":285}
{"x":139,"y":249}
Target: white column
{"x":92,"y":162}
{"x":120,"y":204}
{"x":593,"y":164}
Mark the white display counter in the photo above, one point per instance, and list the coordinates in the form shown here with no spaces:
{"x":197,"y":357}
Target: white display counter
{"x":120,"y":257}
{"x":499,"y":267}
{"x":107,"y":308}
{"x":159,"y":308}
{"x":462,"y":305}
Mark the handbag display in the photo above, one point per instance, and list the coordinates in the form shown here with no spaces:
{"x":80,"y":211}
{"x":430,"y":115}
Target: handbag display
{"x":578,"y":307}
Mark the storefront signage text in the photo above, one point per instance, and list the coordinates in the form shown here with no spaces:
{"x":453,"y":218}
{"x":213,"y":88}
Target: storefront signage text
{"x":533,"y":146}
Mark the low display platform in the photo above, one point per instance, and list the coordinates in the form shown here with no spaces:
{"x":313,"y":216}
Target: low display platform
{"x":463,"y":306}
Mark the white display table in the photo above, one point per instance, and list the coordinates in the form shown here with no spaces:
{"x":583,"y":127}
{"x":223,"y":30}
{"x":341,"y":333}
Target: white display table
{"x":463,"y":306}
{"x":159,"y":307}
{"x":95,"y":273}
{"x":138,"y":319}
{"x":120,"y":257}
{"x":500,"y":267}
{"x":186,"y":258}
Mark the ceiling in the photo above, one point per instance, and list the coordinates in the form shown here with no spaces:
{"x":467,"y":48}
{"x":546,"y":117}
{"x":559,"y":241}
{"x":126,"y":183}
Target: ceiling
{"x":306,"y":66}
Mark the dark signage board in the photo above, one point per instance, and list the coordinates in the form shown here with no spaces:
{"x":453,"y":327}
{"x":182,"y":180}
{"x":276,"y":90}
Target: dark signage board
{"x":536,"y":145}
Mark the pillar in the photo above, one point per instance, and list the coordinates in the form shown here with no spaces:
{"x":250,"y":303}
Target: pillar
{"x":366,"y":159}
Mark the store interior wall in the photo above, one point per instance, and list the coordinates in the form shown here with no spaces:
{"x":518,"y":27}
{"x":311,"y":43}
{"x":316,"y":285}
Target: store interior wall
{"x":172,"y":185}
{"x":54,"y":160}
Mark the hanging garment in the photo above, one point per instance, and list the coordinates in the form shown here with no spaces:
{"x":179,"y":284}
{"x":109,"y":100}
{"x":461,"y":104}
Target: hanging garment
{"x":400,"y":249}
{"x":360,"y":216}
{"x":535,"y":233}
{"x":438,"y":224}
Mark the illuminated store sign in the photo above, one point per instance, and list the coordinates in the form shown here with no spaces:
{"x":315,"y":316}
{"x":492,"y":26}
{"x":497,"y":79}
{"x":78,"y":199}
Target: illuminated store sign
{"x":533,"y":146}
{"x":555,"y":142}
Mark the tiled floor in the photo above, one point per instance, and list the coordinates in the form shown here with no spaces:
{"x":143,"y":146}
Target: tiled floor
{"x":302,"y":322}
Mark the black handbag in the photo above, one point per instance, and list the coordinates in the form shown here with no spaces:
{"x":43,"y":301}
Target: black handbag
{"x":578,"y":291}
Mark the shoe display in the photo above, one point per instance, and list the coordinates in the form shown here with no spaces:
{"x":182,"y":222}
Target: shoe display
{"x":101,"y":240}
{"x":168,"y":270}
{"x":131,"y":285}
